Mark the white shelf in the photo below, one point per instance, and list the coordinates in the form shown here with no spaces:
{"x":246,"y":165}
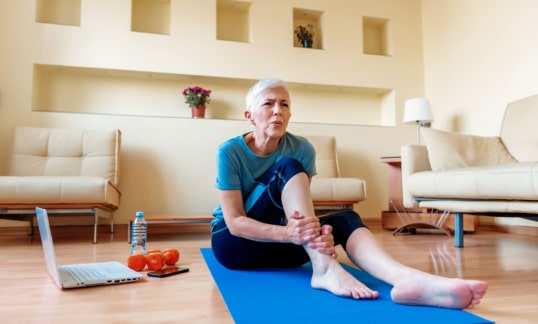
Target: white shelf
{"x":117,"y":92}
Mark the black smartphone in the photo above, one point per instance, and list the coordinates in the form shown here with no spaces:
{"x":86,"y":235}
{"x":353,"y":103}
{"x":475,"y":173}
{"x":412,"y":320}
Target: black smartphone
{"x":168,"y":271}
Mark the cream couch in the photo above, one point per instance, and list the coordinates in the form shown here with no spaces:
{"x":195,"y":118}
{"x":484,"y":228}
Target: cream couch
{"x":329,"y":190}
{"x":67,"y":171}
{"x":495,"y":176}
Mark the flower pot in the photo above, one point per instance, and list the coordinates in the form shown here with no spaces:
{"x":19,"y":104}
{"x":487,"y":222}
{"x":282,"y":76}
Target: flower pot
{"x":307,"y":43}
{"x":198,"y":112}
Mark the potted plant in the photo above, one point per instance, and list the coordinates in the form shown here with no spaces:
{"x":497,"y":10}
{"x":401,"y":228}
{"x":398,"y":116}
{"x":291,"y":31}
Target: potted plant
{"x":305,"y":35}
{"x":197,"y":98}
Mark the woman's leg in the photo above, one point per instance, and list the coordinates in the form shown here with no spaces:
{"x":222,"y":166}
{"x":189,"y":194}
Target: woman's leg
{"x":328,"y":274}
{"x":286,"y":191}
{"x":239,"y":253}
{"x":411,"y":286}
{"x":264,"y":204}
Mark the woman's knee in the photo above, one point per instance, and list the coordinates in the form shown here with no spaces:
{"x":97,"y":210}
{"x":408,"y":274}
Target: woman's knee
{"x":286,"y":169}
{"x":289,"y":164}
{"x":344,"y":224}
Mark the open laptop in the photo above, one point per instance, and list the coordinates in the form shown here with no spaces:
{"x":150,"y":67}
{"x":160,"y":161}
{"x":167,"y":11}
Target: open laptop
{"x":80,"y":275}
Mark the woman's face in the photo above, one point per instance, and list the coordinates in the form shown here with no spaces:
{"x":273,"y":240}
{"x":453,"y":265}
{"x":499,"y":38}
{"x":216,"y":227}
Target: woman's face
{"x":271,"y":113}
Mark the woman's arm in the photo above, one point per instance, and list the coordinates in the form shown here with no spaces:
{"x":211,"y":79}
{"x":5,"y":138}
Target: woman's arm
{"x":299,"y":229}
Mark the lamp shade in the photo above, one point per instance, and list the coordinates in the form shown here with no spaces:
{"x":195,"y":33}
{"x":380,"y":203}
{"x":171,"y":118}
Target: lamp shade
{"x":417,"y":110}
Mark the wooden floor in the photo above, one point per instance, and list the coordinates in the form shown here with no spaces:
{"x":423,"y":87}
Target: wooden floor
{"x":509,"y":262}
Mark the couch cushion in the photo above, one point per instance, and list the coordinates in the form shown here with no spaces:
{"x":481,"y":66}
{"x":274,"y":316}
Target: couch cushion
{"x":58,"y":190}
{"x":338,"y":189}
{"x":514,"y":181}
{"x":326,"y":157}
{"x":65,"y":152}
{"x":518,"y":131}
{"x":450,"y":150}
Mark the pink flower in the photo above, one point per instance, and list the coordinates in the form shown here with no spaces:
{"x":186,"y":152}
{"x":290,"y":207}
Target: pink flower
{"x":196,"y":96}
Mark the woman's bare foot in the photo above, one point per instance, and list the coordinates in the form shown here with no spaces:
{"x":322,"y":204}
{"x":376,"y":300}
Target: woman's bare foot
{"x":431,"y":290}
{"x":338,"y":281}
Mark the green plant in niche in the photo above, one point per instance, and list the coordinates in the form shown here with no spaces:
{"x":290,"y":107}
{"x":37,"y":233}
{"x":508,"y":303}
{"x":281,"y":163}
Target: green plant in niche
{"x":196,"y":96}
{"x":305,"y":35}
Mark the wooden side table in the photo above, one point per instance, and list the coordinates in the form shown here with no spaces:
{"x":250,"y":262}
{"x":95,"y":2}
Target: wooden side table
{"x":391,"y":219}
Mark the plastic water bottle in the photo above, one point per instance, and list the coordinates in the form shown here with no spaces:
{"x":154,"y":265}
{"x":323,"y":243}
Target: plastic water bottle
{"x":139,"y":234}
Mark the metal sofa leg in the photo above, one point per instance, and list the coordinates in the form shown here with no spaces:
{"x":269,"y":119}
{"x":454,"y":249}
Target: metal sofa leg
{"x":458,"y":230}
{"x":95,"y":225}
{"x":31,"y":221}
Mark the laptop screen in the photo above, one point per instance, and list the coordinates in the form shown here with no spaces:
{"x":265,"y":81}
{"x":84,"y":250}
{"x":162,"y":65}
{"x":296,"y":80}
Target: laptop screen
{"x":46,"y":242}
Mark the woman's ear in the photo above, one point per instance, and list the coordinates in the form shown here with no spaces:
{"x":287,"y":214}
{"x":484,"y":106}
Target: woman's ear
{"x":248,"y":117}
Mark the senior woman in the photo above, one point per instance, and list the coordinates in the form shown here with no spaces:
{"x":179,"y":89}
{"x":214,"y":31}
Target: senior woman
{"x":266,"y":218}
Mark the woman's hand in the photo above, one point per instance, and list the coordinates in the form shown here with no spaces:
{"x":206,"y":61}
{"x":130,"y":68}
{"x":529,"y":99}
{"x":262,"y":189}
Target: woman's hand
{"x":302,"y":229}
{"x":325,"y":242}
{"x":308,"y":230}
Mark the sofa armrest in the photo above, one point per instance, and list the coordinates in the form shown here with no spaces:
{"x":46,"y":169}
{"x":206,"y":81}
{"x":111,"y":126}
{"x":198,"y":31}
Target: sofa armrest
{"x":414,"y":159}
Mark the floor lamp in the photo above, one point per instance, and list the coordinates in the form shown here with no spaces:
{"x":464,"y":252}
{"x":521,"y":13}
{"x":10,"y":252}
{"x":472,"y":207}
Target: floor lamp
{"x":417,"y":110}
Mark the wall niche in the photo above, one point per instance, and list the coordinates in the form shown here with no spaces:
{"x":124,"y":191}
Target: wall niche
{"x":137,"y":93}
{"x":60,"y":12}
{"x":150,"y":16}
{"x":233,"y":21}
{"x":376,"y":36}
{"x":305,"y":18}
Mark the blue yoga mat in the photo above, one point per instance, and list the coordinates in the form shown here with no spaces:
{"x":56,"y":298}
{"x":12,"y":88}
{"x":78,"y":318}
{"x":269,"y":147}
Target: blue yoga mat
{"x":285,"y":296}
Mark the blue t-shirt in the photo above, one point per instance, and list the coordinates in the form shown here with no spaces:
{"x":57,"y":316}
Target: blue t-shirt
{"x":238,"y":168}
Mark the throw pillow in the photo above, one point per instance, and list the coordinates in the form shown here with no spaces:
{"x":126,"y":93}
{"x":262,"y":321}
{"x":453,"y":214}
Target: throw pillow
{"x":450,"y":150}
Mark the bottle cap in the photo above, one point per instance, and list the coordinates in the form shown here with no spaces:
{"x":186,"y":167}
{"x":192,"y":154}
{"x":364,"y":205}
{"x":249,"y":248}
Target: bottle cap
{"x":139,"y":214}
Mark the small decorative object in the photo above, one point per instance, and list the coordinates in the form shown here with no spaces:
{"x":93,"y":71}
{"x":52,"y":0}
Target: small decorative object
{"x":197,"y":98}
{"x":305,"y":35}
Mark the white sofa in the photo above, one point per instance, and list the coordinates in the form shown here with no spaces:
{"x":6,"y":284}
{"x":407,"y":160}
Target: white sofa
{"x":329,"y":190}
{"x":495,"y":176}
{"x":67,"y":171}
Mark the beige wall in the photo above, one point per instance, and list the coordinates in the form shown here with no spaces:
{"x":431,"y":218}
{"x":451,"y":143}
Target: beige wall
{"x":478,"y":56}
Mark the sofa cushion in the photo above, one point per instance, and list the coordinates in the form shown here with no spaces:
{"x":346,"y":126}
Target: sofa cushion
{"x":327,"y":185}
{"x":514,"y":181}
{"x":337,"y":189}
{"x":450,"y":150}
{"x":58,"y":190}
{"x":326,"y":156}
{"x":65,"y":152}
{"x":518,"y":131}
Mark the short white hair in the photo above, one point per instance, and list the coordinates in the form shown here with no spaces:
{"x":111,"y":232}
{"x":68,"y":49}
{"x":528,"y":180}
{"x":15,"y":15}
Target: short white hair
{"x":253,"y":94}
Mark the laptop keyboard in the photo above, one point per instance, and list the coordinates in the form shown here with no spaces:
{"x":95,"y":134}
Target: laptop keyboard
{"x":97,"y":273}
{"x":84,"y":273}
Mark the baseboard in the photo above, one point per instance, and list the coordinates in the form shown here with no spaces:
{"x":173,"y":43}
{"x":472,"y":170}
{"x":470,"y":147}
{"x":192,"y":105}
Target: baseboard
{"x":520,"y":230}
{"x":119,"y":229}
{"x":15,"y":230}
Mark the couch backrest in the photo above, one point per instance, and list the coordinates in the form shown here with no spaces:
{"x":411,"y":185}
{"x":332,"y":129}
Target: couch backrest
{"x":519,"y":130}
{"x":66,"y":152}
{"x":326,"y":157}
